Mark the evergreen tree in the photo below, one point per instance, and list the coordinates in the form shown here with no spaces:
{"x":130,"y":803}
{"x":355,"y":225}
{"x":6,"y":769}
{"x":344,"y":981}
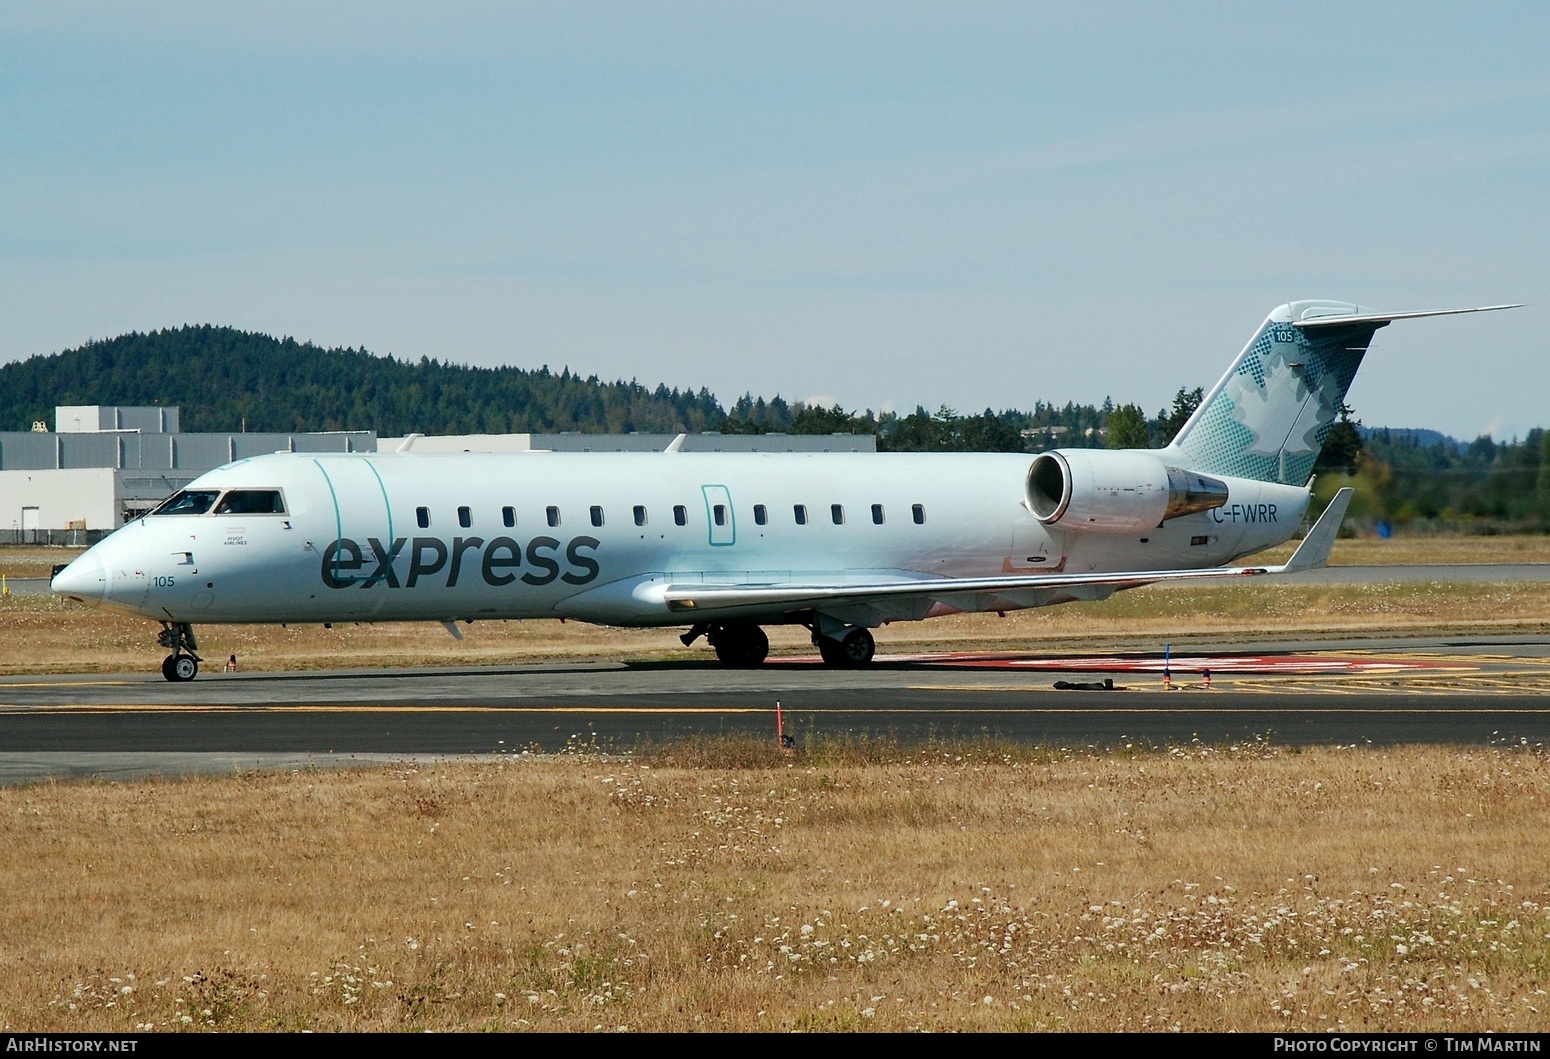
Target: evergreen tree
{"x":1127,"y":428}
{"x":1168,"y":423}
{"x":1342,"y":448}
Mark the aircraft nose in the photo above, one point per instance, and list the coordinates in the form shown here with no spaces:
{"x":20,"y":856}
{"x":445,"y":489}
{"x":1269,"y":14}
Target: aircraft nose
{"x":85,"y":580}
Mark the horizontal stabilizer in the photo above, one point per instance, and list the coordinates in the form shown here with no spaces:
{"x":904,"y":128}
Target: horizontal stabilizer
{"x":1313,"y":552}
{"x":1383,"y":318}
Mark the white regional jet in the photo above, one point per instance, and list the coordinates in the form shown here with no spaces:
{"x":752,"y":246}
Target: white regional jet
{"x":725,"y":543}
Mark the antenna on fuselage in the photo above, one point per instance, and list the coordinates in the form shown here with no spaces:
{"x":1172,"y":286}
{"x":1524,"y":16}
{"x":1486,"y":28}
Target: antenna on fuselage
{"x":677,"y":444}
{"x":408,"y":442}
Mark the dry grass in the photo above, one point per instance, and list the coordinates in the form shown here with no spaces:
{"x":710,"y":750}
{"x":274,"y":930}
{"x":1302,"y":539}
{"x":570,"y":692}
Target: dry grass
{"x":1432,"y":551}
{"x":722,"y":887}
{"x":26,"y":560}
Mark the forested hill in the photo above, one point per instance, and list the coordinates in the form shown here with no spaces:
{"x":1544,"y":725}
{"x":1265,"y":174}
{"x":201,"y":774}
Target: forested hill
{"x":225,"y":379}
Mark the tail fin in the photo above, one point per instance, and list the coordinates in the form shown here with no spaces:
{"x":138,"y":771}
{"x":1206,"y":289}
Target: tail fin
{"x":1269,"y":415}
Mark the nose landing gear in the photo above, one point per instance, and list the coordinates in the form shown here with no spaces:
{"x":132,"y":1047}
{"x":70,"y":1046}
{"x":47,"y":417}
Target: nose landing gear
{"x":183,"y":663}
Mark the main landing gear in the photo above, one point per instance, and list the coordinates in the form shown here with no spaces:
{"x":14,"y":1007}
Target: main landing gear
{"x":855,"y":648}
{"x":740,"y":645}
{"x":182,"y":664}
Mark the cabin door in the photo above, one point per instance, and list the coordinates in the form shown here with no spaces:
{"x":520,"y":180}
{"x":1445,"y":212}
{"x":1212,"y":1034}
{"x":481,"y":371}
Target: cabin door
{"x":719,"y":515}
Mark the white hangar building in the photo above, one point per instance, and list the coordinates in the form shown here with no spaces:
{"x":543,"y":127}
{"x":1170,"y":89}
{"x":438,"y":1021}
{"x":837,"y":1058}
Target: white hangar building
{"x":103,"y":465}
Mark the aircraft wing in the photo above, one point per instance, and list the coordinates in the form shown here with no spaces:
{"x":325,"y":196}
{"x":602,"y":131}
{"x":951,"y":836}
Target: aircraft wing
{"x":691,"y":598}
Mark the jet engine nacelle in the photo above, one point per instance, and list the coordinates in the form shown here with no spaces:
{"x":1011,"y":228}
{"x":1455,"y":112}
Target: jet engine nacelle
{"x":1108,"y":491}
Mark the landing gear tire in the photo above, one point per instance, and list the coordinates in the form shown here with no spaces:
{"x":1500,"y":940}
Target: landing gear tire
{"x":180,"y":668}
{"x":855,"y":649}
{"x":740,"y":646}
{"x":182,"y":665}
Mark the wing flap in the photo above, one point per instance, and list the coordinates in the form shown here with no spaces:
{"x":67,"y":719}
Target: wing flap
{"x":689,"y":598}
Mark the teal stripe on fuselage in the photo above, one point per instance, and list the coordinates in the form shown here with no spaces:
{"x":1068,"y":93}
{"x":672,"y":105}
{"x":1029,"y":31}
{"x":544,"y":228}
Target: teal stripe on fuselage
{"x":386,"y":503}
{"x":338,"y":518}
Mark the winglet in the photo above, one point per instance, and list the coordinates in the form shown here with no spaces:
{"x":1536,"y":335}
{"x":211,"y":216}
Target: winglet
{"x":677,"y":444}
{"x":1313,"y":552}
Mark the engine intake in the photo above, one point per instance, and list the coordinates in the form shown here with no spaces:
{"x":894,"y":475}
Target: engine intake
{"x":1104,"y":491}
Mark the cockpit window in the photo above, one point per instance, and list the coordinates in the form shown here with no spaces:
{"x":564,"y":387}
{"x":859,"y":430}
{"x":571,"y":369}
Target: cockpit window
{"x":188,"y":502}
{"x":251,"y":502}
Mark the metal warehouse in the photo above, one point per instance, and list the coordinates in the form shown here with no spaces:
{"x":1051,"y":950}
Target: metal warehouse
{"x":103,"y":465}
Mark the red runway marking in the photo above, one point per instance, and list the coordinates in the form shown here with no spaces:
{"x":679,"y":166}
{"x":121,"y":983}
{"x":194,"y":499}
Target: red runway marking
{"x":1180,"y":664}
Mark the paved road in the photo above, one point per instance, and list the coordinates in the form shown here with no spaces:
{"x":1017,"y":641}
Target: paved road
{"x":1454,"y":573}
{"x":26,"y":586}
{"x":1480,"y":690}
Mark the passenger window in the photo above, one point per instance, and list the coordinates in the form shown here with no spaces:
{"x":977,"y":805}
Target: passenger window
{"x":799,"y":511}
{"x":251,"y":502}
{"x":465,"y":517}
{"x":837,"y":513}
{"x":597,"y":515}
{"x":553,"y":514}
{"x":719,"y":513}
{"x":680,"y":515}
{"x":877,"y":514}
{"x":509,"y":516}
{"x":919,"y":513}
{"x":640,"y":515}
{"x":422,"y":515}
{"x":761,"y":515}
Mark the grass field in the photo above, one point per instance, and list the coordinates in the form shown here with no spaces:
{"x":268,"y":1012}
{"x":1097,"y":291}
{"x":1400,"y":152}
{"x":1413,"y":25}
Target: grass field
{"x":720,"y":886}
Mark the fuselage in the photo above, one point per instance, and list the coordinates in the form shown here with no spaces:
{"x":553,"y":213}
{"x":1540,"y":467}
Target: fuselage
{"x":470,"y":536}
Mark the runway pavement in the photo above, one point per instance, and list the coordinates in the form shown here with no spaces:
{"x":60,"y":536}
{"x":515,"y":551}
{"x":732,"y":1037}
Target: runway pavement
{"x":1455,"y":573}
{"x":1479,"y":690}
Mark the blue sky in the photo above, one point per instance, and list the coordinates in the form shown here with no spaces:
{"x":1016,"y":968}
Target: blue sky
{"x":880,"y":204}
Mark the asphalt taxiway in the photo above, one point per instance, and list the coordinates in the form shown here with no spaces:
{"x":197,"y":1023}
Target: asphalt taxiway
{"x":1478,"y":690}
